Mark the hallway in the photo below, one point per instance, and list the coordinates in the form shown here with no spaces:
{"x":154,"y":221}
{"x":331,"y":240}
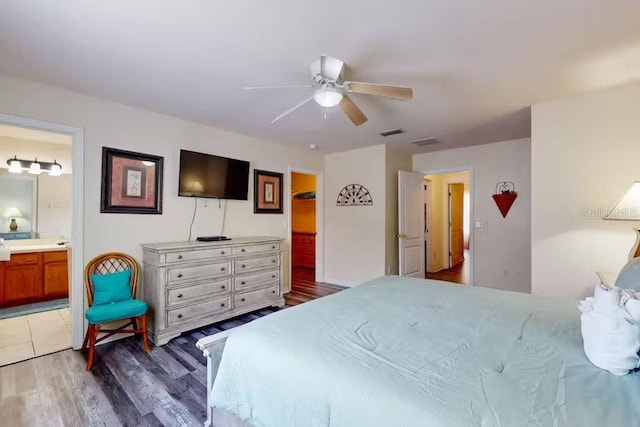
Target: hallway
{"x":458,"y":273}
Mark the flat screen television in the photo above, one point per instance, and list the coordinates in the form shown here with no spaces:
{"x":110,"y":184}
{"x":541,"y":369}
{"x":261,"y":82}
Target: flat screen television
{"x":206,"y":175}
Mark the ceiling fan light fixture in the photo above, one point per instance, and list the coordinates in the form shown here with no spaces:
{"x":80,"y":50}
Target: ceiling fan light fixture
{"x":328,"y":96}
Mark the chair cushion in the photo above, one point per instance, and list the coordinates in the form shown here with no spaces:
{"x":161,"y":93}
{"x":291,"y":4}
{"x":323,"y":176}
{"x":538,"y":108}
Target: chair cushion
{"x":629,"y":277}
{"x":113,"y":287}
{"x":115,"y":311}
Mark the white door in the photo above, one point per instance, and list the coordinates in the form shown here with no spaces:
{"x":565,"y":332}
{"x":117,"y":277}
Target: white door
{"x":411,"y":224}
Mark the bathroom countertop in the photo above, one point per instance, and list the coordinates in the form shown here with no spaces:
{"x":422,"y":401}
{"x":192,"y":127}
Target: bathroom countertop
{"x":34,"y":245}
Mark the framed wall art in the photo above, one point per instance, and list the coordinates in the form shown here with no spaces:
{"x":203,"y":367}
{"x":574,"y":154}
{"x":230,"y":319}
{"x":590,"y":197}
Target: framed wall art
{"x":131,"y":182}
{"x":267,"y":192}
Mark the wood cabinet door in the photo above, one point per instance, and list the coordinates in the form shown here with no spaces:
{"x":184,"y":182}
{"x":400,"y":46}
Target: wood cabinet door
{"x":22,"y":281}
{"x":56,"y":278}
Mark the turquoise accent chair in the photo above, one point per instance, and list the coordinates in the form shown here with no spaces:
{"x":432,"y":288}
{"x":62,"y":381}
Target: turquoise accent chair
{"x":110,"y":305}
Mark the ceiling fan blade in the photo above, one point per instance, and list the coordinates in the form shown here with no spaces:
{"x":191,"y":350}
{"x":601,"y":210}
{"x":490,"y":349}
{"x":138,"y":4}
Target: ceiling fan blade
{"x":291,"y":110}
{"x":275,"y":87}
{"x":399,"y":92}
{"x":352,"y":111}
{"x":331,"y":67}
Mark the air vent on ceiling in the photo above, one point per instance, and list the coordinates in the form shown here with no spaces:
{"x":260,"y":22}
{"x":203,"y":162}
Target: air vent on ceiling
{"x":423,"y":142}
{"x":392,"y":132}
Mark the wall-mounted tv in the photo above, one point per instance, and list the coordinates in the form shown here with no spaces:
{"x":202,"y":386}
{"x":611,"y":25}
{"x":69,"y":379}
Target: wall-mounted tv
{"x":206,"y":175}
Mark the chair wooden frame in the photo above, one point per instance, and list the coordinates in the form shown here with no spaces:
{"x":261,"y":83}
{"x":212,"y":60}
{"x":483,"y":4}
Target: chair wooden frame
{"x":112,"y":262}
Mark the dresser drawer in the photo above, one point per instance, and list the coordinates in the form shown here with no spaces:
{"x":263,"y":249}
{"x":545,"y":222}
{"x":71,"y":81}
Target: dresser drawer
{"x":184,"y":256}
{"x":194,"y":311}
{"x":308,"y":239}
{"x":251,"y":280}
{"x":252,"y":249}
{"x":240,"y":265}
{"x":177,"y":274}
{"x":254,"y":297}
{"x":203,"y":290}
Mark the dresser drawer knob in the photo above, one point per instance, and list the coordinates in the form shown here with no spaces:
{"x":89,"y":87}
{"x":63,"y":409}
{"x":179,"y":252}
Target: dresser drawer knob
{"x":179,"y":256}
{"x":273,"y":247}
{"x":273,"y":261}
{"x":221,"y":252}
{"x":273,"y":292}
{"x":243,"y":282}
{"x":243,"y":250}
{"x":223,"y":287}
{"x":221,"y":304}
{"x":242,"y":299}
{"x":179,"y":275}
{"x":242,"y":266}
{"x":179,"y":316}
{"x":222,"y":269}
{"x":273,"y":276}
{"x":179,"y":295}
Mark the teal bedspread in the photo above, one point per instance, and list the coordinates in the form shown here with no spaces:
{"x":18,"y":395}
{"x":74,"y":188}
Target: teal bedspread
{"x":397,"y":352}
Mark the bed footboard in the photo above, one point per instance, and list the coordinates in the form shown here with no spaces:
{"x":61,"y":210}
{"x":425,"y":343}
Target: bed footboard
{"x":212,"y":347}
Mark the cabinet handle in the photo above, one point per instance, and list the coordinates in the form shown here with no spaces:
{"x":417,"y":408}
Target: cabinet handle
{"x":243,"y":282}
{"x":222,"y":269}
{"x":179,"y":316}
{"x":273,"y":276}
{"x":242,"y":250}
{"x":179,"y":275}
{"x":273,"y":261}
{"x":242,"y":266}
{"x":273,"y":292}
{"x":241,"y":299}
{"x":222,"y":305}
{"x":179,"y":256}
{"x":221,"y":252}
{"x":273,"y":247}
{"x":179,"y":295}
{"x":222,"y":287}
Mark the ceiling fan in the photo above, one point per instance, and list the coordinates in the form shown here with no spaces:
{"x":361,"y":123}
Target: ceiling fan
{"x":332,"y":89}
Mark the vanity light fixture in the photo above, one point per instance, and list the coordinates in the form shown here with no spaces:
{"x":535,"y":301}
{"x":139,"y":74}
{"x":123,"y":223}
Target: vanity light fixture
{"x":34,"y":169}
{"x":34,"y":166}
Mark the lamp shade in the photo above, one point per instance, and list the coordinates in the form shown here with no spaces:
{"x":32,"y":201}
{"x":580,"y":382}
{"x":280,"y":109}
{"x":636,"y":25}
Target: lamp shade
{"x":56,"y":169}
{"x":15,"y":166}
{"x":328,"y":96}
{"x":13,"y":212}
{"x":34,"y":169}
{"x":628,"y":208}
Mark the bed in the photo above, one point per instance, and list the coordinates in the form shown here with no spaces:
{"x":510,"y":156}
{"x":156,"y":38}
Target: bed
{"x":409,"y":352}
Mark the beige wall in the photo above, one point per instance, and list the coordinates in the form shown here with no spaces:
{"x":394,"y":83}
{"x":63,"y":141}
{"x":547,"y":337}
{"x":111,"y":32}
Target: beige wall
{"x":114,"y":125}
{"x":395,"y":161}
{"x":503,"y":243}
{"x":354,"y":235}
{"x":585,"y":153}
{"x":439,"y":217}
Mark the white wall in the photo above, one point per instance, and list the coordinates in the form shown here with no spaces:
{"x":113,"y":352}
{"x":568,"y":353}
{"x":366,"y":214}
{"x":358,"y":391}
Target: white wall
{"x":114,"y":125}
{"x":394,"y":161}
{"x":503,"y":243}
{"x":585,"y":153}
{"x":354,"y":235}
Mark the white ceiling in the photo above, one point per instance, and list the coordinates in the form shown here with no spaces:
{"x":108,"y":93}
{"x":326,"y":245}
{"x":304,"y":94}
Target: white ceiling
{"x":475,"y":66}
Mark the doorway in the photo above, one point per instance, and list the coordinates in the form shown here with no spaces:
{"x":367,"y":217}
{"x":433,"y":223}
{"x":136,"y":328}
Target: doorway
{"x":60,"y":220}
{"x":35,"y":228}
{"x":303,"y":230}
{"x":448,"y":226}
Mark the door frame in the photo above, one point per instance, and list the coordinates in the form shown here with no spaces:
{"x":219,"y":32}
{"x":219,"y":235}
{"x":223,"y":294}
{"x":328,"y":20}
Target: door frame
{"x":76,"y":287}
{"x":449,"y":184}
{"x":471,"y":211}
{"x":319,"y":220}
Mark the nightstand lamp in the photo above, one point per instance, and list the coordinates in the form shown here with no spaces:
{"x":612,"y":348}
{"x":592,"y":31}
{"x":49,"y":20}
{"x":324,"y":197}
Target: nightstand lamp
{"x":13,"y":213}
{"x":628,"y":209}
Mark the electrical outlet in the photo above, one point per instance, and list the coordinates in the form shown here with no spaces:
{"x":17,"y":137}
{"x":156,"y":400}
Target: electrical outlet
{"x":506,"y":270}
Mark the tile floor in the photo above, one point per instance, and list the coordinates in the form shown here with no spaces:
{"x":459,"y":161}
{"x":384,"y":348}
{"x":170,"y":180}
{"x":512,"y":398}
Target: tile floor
{"x":24,"y":337}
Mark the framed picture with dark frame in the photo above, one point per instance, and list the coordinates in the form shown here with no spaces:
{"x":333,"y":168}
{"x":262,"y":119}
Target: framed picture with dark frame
{"x":131,"y":182}
{"x":267,"y":192}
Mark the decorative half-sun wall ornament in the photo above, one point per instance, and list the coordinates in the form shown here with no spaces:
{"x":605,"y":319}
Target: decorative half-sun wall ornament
{"x":354,"y":195}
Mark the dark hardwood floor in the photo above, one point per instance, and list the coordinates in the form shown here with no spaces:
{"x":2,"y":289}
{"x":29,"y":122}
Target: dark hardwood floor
{"x":457,"y":274}
{"x":126,"y":387}
{"x":304,"y":287}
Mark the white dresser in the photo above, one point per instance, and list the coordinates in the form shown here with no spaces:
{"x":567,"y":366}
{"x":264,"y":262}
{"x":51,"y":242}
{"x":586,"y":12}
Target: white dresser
{"x":192,"y":284}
